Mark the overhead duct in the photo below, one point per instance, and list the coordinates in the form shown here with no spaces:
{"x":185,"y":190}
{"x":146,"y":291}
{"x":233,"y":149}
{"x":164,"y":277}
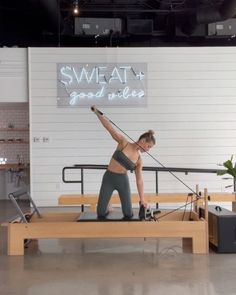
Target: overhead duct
{"x":228,"y":9}
{"x":207,"y":15}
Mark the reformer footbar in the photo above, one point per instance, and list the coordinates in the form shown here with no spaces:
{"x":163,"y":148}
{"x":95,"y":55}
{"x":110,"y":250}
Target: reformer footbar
{"x":198,"y":196}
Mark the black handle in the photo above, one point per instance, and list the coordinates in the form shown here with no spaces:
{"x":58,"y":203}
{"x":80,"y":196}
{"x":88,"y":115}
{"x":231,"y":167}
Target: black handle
{"x":218,"y":208}
{"x":93,"y":109}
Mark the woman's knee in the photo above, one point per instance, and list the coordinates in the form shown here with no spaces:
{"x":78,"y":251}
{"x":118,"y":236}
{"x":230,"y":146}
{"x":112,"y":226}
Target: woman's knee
{"x":127,"y":211}
{"x":102,"y":211}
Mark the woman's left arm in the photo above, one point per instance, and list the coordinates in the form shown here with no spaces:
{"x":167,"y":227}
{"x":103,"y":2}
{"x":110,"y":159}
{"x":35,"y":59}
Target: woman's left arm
{"x":139,"y":182}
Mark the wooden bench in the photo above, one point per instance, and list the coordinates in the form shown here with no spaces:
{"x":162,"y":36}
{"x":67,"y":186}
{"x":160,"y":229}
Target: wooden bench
{"x":221,"y":197}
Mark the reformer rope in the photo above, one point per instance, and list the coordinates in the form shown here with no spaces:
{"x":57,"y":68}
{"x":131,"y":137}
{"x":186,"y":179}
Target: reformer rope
{"x":150,"y":155}
{"x":178,"y":208}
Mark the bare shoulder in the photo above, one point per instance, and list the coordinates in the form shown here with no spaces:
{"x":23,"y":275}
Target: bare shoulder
{"x":123,"y":142}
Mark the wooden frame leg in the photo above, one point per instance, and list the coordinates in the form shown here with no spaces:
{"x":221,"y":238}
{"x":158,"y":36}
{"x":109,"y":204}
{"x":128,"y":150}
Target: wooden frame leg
{"x":15,"y":243}
{"x":199,"y":245}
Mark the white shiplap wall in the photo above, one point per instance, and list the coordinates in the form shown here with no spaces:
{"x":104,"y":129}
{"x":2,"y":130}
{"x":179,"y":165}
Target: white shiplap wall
{"x":13,"y":75}
{"x":191,"y":106}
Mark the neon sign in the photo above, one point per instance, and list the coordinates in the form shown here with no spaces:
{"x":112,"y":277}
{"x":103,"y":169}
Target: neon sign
{"x":101,"y":84}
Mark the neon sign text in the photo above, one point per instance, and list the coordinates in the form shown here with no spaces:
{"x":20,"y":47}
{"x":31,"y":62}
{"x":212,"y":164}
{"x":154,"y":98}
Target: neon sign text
{"x":111,"y":84}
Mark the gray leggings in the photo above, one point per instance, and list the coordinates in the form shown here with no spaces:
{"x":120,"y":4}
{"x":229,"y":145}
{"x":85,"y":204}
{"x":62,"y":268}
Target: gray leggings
{"x":114,"y":181}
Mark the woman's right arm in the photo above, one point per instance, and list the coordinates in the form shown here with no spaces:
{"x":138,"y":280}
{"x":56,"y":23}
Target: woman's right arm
{"x":108,"y":126}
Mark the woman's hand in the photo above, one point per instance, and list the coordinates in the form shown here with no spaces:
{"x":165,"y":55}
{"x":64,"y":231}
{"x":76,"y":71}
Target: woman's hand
{"x":144,"y":203}
{"x":96,"y":111}
{"x":93,"y":108}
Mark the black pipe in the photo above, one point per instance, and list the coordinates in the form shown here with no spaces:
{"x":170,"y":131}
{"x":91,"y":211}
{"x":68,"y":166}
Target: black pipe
{"x":150,"y":168}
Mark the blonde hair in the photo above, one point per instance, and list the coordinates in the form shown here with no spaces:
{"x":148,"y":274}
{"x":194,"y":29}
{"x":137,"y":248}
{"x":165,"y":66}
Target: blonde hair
{"x":148,"y":136}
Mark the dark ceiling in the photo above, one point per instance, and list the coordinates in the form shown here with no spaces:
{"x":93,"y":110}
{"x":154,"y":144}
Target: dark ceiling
{"x":117,"y":23}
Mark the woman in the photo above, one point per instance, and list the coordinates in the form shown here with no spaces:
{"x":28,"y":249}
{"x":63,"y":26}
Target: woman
{"x":126,"y":157}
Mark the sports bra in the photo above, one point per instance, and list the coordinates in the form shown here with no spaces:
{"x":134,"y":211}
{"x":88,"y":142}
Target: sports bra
{"x":123,"y":160}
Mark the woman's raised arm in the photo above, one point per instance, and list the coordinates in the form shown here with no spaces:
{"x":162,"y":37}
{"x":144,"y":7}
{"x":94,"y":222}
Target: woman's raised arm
{"x":108,"y":126}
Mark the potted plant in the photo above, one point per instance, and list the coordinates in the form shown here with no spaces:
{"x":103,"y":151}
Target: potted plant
{"x":230,"y":169}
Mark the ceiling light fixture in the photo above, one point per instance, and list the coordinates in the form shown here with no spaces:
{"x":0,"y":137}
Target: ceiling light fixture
{"x":76,"y":7}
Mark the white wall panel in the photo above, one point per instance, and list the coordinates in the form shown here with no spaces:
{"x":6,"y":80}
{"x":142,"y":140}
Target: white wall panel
{"x":13,"y":75}
{"x":191,"y":106}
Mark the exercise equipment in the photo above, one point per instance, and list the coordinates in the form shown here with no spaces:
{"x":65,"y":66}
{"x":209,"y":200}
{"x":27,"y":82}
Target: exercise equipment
{"x":15,"y":197}
{"x":64,"y":225}
{"x":116,"y":215}
{"x":147,"y":213}
{"x":112,"y":216}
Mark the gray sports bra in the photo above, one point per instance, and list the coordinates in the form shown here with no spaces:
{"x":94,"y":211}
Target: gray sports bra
{"x":123,"y":160}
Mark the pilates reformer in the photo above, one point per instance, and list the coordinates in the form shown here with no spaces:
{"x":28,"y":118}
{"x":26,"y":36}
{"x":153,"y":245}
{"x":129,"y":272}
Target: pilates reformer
{"x":172,"y":223}
{"x":67,"y":225}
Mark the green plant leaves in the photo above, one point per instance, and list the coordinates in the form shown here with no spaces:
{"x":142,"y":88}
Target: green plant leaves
{"x":230,"y":168}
